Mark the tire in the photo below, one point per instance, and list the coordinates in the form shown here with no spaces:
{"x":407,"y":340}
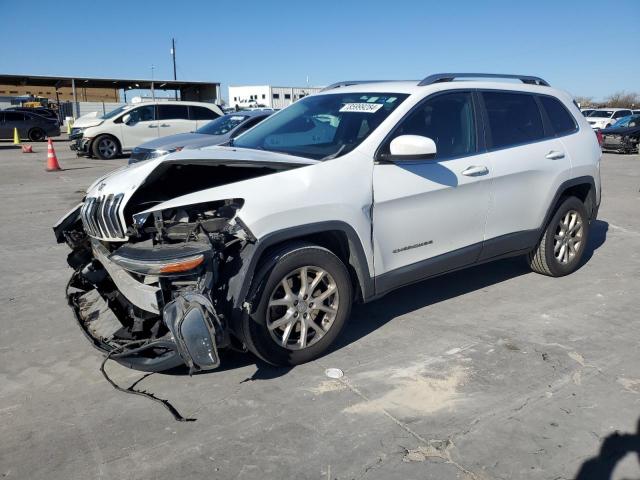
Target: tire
{"x":264,"y":330}
{"x":549,"y":257}
{"x":36,"y":135}
{"x":105,"y":147}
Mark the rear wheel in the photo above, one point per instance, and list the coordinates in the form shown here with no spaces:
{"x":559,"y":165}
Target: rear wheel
{"x":105,"y":147}
{"x":36,"y":134}
{"x":304,"y":300}
{"x":562,"y":246}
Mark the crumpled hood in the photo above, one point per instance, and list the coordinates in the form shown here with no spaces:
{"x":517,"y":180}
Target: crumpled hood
{"x":128,"y":179}
{"x":183,"y":140}
{"x":87,"y":121}
{"x":620,"y":130}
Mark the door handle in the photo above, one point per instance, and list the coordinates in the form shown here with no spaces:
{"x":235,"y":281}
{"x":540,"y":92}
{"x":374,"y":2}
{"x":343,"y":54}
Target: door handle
{"x":153,"y":126}
{"x":165,"y":125}
{"x":554,"y":155}
{"x":475,"y":171}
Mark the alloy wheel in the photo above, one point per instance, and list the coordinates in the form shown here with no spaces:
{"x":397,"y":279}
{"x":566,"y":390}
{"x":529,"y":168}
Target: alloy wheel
{"x":302,"y":307}
{"x":568,"y":237}
{"x":107,"y":148}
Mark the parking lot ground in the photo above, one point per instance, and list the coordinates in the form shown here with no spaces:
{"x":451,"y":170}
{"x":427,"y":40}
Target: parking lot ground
{"x":489,"y":373}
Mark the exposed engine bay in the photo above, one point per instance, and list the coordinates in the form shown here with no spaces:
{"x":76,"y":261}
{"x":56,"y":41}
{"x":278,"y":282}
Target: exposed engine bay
{"x":158,"y":298}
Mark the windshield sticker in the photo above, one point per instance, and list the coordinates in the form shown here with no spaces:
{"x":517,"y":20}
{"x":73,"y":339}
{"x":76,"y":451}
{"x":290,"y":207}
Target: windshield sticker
{"x":361,"y":107}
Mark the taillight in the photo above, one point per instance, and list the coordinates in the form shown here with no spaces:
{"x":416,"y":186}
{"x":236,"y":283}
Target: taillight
{"x":599,"y":136}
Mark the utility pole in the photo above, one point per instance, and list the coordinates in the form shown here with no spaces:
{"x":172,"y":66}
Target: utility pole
{"x":173,"y":56}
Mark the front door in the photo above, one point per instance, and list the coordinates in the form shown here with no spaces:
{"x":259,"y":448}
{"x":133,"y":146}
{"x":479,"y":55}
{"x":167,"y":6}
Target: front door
{"x":429,"y":215}
{"x":141,"y":127}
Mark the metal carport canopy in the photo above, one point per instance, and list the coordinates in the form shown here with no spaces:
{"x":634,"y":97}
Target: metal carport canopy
{"x":89,"y":82}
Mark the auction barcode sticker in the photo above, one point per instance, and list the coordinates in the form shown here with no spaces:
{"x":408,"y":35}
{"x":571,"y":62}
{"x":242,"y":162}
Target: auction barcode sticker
{"x":361,"y":107}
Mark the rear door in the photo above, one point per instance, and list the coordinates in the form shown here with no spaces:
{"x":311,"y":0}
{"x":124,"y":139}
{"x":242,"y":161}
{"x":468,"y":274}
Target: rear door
{"x":529,"y":164}
{"x":141,"y":127}
{"x":201,"y":115}
{"x":174,"y":119}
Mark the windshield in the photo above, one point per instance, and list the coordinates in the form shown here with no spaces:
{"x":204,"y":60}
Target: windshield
{"x":322,"y":127}
{"x":601,"y":113}
{"x":115,"y":112}
{"x":222,"y":125}
{"x":624,"y":121}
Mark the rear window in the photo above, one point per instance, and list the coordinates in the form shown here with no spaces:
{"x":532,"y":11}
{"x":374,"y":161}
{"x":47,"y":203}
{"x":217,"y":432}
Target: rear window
{"x":514,"y":118}
{"x":173,"y":112}
{"x":14,"y":117}
{"x":601,"y":113}
{"x":202,"y":113}
{"x":561,"y":120}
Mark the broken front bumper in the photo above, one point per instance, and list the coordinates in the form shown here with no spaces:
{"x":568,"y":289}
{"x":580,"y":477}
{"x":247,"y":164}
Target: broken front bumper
{"x":80,"y":146}
{"x":148,"y":322}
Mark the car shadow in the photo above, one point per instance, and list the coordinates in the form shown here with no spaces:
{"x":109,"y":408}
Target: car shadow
{"x":366,"y":318}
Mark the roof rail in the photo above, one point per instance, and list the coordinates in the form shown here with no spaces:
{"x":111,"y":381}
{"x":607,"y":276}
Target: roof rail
{"x":352,"y":82}
{"x":448,"y":77}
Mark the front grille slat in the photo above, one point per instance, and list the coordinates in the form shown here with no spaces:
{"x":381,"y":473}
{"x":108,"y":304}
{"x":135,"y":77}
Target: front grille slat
{"x":100,"y":216}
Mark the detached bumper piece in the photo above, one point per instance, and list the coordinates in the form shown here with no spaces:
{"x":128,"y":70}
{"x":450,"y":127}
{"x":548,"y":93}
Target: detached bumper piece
{"x":193,"y":323}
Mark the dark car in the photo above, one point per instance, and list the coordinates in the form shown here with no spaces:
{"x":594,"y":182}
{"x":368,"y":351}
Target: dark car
{"x":623,"y":136}
{"x":30,"y":126}
{"x":42,"y":111}
{"x":216,"y":132}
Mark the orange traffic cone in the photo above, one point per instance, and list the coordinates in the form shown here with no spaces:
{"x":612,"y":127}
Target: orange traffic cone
{"x":52,"y":160}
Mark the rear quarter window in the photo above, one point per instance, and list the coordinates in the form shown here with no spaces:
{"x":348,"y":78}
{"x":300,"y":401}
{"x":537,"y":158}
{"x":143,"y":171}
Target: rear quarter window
{"x":202,"y":113}
{"x":514,"y":118}
{"x":561,"y":120}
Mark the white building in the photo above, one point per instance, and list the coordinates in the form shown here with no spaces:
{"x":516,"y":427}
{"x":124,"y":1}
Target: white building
{"x":247,"y":96}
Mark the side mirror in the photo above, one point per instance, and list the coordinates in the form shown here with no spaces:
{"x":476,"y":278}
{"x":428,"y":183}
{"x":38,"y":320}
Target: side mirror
{"x":411,"y":147}
{"x":126,"y":119}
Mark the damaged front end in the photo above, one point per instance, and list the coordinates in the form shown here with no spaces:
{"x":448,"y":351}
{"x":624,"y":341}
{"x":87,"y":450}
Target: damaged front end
{"x":150,"y":303}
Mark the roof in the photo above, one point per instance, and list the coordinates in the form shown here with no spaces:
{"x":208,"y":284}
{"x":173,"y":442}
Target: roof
{"x":90,"y":82}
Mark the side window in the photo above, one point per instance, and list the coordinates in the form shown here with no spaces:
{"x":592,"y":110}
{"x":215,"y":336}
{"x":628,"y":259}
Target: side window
{"x":448,"y":120}
{"x":173,"y":112}
{"x":14,"y":117}
{"x":561,"y":120}
{"x":142,"y":114}
{"x":514,"y":118}
{"x":202,"y":113}
{"x":621,"y":113}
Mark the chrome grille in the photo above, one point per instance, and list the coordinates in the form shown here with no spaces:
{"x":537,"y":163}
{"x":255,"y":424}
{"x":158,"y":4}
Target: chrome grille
{"x":100,"y":216}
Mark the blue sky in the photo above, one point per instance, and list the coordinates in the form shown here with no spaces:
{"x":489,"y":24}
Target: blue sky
{"x":580,"y":46}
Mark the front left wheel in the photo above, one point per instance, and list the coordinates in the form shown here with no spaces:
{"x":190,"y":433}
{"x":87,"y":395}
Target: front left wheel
{"x":305,"y":297}
{"x":105,"y":147}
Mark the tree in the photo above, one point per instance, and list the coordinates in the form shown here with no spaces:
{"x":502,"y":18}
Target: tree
{"x":584,"y":101}
{"x":622,"y":99}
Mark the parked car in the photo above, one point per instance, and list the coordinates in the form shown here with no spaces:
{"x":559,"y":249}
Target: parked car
{"x":128,"y":126}
{"x":623,"y":136}
{"x":605,"y":117}
{"x":216,"y":132}
{"x":265,"y":244}
{"x":30,"y":126}
{"x":42,"y":111}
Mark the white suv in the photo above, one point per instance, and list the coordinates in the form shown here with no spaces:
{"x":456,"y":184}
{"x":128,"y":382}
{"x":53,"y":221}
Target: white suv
{"x":343,"y":196}
{"x":605,"y":117}
{"x":128,"y":126}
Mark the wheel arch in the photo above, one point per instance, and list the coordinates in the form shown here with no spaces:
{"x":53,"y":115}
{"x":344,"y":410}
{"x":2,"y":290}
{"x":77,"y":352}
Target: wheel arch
{"x":584,"y":188}
{"x":338,"y":237}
